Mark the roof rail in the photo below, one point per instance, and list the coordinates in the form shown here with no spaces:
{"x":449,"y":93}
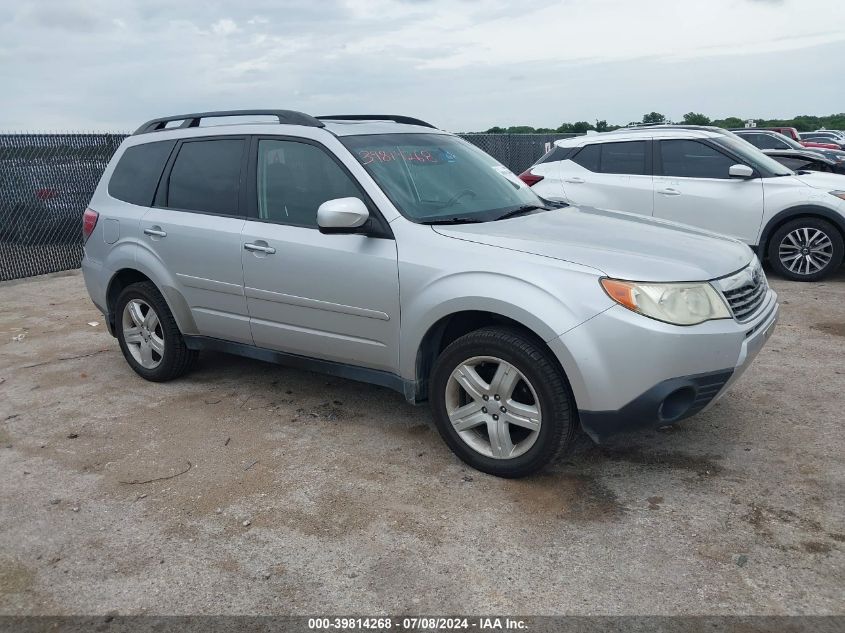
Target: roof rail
{"x":634,"y":124}
{"x":289,"y":117}
{"x":396,"y":118}
{"x":673,"y":126}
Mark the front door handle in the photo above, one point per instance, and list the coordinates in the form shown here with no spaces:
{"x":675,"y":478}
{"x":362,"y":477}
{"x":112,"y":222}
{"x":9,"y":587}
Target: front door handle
{"x":668,"y":191}
{"x":155,"y":231}
{"x":575,"y":181}
{"x":260,"y":248}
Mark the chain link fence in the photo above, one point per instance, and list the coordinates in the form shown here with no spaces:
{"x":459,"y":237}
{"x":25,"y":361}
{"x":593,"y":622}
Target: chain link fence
{"x":47,"y":180}
{"x":516,"y":151}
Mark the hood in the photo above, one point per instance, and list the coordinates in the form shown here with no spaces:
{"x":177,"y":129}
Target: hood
{"x":620,"y":245}
{"x":823,"y":180}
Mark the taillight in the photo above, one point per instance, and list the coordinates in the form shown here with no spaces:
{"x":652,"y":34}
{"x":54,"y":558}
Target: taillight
{"x":46,"y":193}
{"x":89,"y":221}
{"x":530,"y":179}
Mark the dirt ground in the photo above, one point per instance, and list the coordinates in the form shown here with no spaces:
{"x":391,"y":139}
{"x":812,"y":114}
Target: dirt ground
{"x":301,"y":494}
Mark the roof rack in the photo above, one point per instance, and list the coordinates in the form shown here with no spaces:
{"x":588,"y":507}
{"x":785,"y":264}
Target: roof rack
{"x":396,"y":118}
{"x":289,"y":117}
{"x":673,"y":126}
{"x":635,"y":124}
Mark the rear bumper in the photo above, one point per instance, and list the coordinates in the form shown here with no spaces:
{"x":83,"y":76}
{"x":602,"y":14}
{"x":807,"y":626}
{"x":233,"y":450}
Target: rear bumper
{"x":629,"y":372}
{"x":96,"y":283}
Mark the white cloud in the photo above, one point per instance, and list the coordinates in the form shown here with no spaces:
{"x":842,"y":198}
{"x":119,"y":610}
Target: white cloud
{"x":465,"y":65}
{"x":224,"y":27}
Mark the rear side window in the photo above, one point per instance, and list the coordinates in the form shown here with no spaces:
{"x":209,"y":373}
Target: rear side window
{"x":136,"y":175}
{"x":206,"y":177}
{"x":691,"y":159}
{"x":623,"y":158}
{"x":589,"y":157}
{"x":764,"y":141}
{"x":614,"y":158}
{"x":553,"y":155}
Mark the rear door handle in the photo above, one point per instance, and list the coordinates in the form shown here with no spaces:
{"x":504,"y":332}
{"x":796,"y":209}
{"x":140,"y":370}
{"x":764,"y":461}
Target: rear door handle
{"x":260,"y":248}
{"x":668,"y":191}
{"x":575,"y":181}
{"x":155,"y":231}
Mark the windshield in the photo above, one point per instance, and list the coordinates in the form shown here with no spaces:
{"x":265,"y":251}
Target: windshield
{"x":438,"y":177}
{"x":793,"y":144}
{"x":751,"y":156}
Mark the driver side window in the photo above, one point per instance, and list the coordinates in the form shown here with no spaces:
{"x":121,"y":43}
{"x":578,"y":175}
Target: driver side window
{"x":692,"y":159}
{"x":295,"y":178}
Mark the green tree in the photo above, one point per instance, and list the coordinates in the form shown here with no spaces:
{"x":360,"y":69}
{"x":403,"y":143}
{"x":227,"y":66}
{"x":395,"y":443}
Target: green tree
{"x":696,"y":118}
{"x":802,"y":122}
{"x":654,"y":117}
{"x":520,"y":129}
{"x":731,"y":121}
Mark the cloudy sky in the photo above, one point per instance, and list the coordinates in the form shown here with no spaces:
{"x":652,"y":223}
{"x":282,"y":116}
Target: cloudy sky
{"x":464,"y":65}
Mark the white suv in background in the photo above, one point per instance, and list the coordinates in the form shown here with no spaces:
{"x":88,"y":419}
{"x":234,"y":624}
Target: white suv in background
{"x":708,"y":178}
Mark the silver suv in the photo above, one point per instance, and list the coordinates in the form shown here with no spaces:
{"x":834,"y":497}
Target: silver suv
{"x":379,"y":248}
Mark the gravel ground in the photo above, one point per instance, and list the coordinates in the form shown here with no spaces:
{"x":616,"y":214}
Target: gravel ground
{"x":301,"y":494}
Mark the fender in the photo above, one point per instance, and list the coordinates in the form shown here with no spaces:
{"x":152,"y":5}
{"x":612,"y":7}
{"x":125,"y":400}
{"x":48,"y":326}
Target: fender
{"x":835,"y":218}
{"x":147,"y":262}
{"x":530,"y":305}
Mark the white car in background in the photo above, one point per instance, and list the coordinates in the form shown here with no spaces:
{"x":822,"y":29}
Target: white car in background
{"x":709,"y":178}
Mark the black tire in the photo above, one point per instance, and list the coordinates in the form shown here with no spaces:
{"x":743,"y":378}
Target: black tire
{"x":813,"y":225}
{"x":559,"y":421}
{"x":177,"y":359}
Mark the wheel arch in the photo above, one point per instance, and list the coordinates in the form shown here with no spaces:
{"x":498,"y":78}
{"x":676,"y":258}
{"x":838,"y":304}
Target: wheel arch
{"x":452,"y":326}
{"x":172,"y":297}
{"x":793,"y":213}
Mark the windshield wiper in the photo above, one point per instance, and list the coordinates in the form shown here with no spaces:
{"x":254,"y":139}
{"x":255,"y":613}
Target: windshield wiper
{"x":457,"y":220}
{"x":526,"y":208}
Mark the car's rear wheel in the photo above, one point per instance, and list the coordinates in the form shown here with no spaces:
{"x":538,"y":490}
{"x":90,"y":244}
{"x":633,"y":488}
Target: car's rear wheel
{"x":806,"y":249}
{"x":501,"y":402}
{"x":148,"y":335}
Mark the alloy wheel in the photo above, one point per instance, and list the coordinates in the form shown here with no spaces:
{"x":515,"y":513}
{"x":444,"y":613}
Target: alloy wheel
{"x":493,"y":407}
{"x":142,"y":333}
{"x":805,"y":251}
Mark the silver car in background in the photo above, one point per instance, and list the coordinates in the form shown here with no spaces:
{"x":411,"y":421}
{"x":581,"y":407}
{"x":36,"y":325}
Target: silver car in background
{"x":381,"y":249}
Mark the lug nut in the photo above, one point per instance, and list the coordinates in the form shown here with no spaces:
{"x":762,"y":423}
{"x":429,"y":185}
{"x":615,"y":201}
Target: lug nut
{"x":495,"y":417}
{"x":503,"y":410}
{"x":483,"y":409}
{"x":485,"y":397}
{"x":496,"y":396}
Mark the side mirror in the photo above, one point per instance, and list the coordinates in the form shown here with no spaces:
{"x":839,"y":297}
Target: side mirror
{"x":740,"y":171}
{"x":342,"y":215}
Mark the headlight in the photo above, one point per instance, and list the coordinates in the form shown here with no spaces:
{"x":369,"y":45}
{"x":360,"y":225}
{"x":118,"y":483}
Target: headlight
{"x":838,"y":194}
{"x":680,"y":303}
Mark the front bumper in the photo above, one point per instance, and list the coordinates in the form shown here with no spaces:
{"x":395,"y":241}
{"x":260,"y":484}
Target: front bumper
{"x":629,"y":372}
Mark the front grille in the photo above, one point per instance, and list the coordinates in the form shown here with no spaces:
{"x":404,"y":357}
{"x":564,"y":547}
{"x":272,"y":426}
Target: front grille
{"x":707,"y":389}
{"x":745,"y":291}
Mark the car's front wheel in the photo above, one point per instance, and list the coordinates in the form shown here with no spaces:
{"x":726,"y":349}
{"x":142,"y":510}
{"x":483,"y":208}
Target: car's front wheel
{"x":806,"y":249}
{"x":148,"y":335}
{"x":501,"y":402}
